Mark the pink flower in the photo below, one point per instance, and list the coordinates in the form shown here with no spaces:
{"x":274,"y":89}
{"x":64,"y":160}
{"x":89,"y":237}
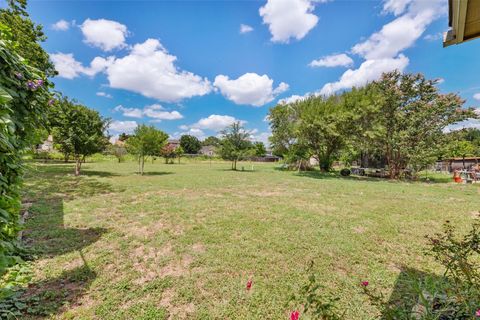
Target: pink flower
{"x":364,"y":283}
{"x":249,"y":284}
{"x":477,"y":314}
{"x":294,"y":315}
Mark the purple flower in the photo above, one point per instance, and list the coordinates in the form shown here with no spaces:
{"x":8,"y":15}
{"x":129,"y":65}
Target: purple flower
{"x":51,"y":102}
{"x":39,"y":82}
{"x":31,"y":85}
{"x":18,"y":75}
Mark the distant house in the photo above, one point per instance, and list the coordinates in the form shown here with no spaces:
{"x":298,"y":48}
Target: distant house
{"x":453,"y":164}
{"x":173,"y":143}
{"x":47,"y":145}
{"x":208,"y":151}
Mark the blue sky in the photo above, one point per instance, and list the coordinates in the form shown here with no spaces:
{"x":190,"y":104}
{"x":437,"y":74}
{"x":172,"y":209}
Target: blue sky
{"x":196,"y":66}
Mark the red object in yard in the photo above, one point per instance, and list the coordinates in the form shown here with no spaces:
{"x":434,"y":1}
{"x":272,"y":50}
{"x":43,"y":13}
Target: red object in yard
{"x":458,"y":179}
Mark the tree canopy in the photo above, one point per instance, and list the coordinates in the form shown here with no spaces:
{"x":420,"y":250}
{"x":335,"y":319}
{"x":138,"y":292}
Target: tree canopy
{"x":146,"y":141}
{"x":235,"y":144}
{"x":190,"y":144}
{"x":78,"y":130}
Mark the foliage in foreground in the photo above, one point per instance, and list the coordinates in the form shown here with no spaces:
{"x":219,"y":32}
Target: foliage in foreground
{"x":24,"y":98}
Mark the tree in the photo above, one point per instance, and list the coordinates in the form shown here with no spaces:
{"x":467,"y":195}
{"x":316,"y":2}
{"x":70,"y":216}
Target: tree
{"x":179,"y":153}
{"x":78,"y":130}
{"x":190,"y":144}
{"x":235,"y":144}
{"x":411,"y":117}
{"x":168,"y":152}
{"x":118,"y":151}
{"x":211,"y":141}
{"x":27,"y":35}
{"x":260,"y":150}
{"x":146,"y":141}
{"x":24,"y":100}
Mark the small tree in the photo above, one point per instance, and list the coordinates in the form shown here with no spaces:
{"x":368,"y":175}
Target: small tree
{"x":235,"y":144}
{"x":179,"y":152}
{"x":78,"y":130}
{"x":190,"y":144}
{"x":260,"y":150}
{"x":118,"y":151}
{"x":211,"y":141}
{"x":168,"y":152}
{"x":146,"y":141}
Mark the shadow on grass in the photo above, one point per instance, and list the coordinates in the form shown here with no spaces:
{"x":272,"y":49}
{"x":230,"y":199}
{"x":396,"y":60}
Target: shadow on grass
{"x":45,"y":235}
{"x":156,"y":173}
{"x":45,"y":299}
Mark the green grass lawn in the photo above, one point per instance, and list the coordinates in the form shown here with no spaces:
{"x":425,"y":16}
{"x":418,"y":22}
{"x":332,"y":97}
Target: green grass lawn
{"x":183,"y":240}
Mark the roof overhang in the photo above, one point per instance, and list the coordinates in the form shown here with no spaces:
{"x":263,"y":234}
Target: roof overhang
{"x":463,"y":20}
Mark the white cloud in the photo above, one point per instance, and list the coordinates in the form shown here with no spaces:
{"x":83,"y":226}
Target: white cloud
{"x":402,"y":32}
{"x":129,"y":112}
{"x":250,"y":89}
{"x":396,"y":7}
{"x":216,"y":122}
{"x":104,"y":94}
{"x":333,"y":61}
{"x":294,"y":98}
{"x":245,"y":28}
{"x":158,"y":112}
{"x":434,"y":37}
{"x":465,"y":124}
{"x":155,"y":111}
{"x":61,"y":25}
{"x":122,"y":126}
{"x":104,"y":34}
{"x":260,"y":137}
{"x":476,"y":96}
{"x":288,"y":19}
{"x":382,"y":50}
{"x":69,"y":68}
{"x":150,"y":70}
{"x":368,"y":71}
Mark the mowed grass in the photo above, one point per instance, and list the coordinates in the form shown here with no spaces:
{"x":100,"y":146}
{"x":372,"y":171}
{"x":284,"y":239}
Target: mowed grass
{"x":182,"y":241}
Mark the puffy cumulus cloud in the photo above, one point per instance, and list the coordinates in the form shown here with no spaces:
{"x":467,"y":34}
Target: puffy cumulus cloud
{"x":434,"y":37}
{"x":150,"y":70}
{"x":382,"y":50}
{"x":200,"y":134}
{"x":158,"y":112}
{"x":61,"y":25}
{"x":402,"y":32}
{"x":260,"y":137}
{"x":69,"y":68}
{"x":122,"y":126}
{"x":288,"y":19}
{"x":216,"y":122}
{"x":245,"y":28}
{"x":155,"y":111}
{"x":250,"y":89}
{"x":476,"y":96}
{"x":335,"y":60}
{"x":104,"y":34}
{"x":368,"y":71}
{"x":104,"y":94}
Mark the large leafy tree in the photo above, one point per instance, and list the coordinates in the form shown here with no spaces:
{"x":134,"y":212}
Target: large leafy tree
{"x":146,"y":141}
{"x":24,"y":96}
{"x":78,"y":130}
{"x":190,"y":144}
{"x":235,"y":144}
{"x":27,"y":35}
{"x":410,"y":118}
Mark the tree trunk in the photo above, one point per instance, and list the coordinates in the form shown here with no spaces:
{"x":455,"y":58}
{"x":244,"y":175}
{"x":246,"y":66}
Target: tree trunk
{"x":235,"y":164}
{"x":66,"y":157}
{"x":78,"y":165}
{"x":142,"y":165}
